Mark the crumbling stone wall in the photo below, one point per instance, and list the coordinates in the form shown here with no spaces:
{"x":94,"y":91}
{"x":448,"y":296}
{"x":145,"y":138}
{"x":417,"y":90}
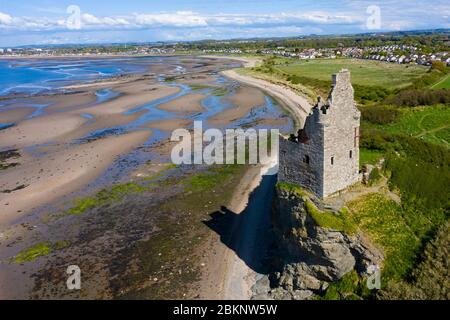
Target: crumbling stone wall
{"x":324,"y":156}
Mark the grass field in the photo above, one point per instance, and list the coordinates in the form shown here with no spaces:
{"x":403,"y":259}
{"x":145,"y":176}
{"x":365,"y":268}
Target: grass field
{"x":383,"y":220}
{"x":367,"y":156}
{"x":431,"y":124}
{"x":364,"y":72}
{"x":443,"y":84}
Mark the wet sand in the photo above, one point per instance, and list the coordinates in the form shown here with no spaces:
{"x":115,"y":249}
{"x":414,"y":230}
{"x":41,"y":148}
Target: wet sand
{"x":63,"y":126}
{"x":187,"y":104}
{"x":63,"y":121}
{"x":60,"y":173}
{"x":298,"y":106}
{"x":198,"y":80}
{"x":40,"y":130}
{"x":249,"y":62}
{"x":170,"y":124}
{"x":98,"y":123}
{"x":15,"y":115}
{"x":50,"y":174}
{"x":68,"y":102}
{"x":228,"y":276}
{"x":222,"y":261}
{"x":245,"y":99}
{"x":269,"y":122}
{"x":133,"y":95}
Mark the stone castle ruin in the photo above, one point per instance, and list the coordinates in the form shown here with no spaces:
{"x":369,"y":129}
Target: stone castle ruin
{"x":324,"y":156}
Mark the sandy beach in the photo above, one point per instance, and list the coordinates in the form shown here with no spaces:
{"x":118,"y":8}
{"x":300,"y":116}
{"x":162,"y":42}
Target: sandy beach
{"x":222,"y":279}
{"x":60,"y":173}
{"x":68,"y":102}
{"x":133,"y":95}
{"x":65,"y":121}
{"x":249,"y":62}
{"x":77,"y":142}
{"x":298,"y":106}
{"x":187,"y":104}
{"x":228,"y":276}
{"x":39,"y":130}
{"x":170,"y":124}
{"x":245,"y":99}
{"x":15,"y":115}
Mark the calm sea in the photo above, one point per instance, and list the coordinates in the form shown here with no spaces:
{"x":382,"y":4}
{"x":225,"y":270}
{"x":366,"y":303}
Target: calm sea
{"x":37,"y":75}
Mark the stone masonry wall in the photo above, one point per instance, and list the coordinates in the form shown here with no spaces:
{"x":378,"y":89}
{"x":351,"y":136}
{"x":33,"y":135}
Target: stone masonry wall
{"x":294,"y":167}
{"x":341,"y":141}
{"x":324,"y":157}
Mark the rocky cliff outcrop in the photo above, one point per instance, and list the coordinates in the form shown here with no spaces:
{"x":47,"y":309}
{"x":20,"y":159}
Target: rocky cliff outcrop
{"x":310,"y":256}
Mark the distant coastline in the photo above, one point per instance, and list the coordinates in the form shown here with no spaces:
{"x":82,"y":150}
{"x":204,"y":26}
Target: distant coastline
{"x":89,"y":56}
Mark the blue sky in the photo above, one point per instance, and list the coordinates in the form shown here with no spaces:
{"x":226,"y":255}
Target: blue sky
{"x":50,"y":22}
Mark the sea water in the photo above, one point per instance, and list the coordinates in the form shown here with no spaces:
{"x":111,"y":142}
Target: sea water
{"x":32,"y":76}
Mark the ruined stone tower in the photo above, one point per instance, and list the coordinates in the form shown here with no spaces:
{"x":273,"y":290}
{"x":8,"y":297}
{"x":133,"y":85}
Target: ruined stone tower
{"x":324,"y":156}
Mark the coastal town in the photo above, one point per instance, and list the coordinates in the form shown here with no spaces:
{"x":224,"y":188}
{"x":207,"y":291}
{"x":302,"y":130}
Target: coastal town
{"x":399,"y":51}
{"x":122,"y":50}
{"x":401,"y":54}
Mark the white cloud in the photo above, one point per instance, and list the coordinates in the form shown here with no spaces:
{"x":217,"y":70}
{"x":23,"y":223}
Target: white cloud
{"x":5,"y":19}
{"x":191,"y":25}
{"x":91,"y":20}
{"x":177,"y":19}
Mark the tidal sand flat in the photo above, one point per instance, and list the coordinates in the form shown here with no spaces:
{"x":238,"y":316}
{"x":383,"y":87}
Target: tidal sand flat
{"x":187,"y":104}
{"x":197,"y":79}
{"x":15,"y":115}
{"x":171,"y":124}
{"x":244,"y":100}
{"x":83,"y":153}
{"x":67,"y":102}
{"x":133,"y":95}
{"x":57,"y":126}
{"x":40,"y":130}
{"x":60,"y":173}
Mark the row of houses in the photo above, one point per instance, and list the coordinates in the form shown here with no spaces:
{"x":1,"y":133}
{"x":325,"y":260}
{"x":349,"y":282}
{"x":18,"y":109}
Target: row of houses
{"x":225,"y":51}
{"x":402,"y":54}
{"x":414,"y":58}
{"x":280,"y":51}
{"x":6,"y":51}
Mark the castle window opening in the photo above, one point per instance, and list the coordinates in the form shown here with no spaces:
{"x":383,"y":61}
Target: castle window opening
{"x":332,"y":160}
{"x":351,"y":154}
{"x":306,"y":159}
{"x":356,"y":139}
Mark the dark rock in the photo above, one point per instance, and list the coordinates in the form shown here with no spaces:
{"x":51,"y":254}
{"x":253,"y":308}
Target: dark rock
{"x":311,"y":256}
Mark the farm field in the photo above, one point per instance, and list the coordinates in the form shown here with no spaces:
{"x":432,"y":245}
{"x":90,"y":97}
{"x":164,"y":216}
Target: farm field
{"x":364,"y":72}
